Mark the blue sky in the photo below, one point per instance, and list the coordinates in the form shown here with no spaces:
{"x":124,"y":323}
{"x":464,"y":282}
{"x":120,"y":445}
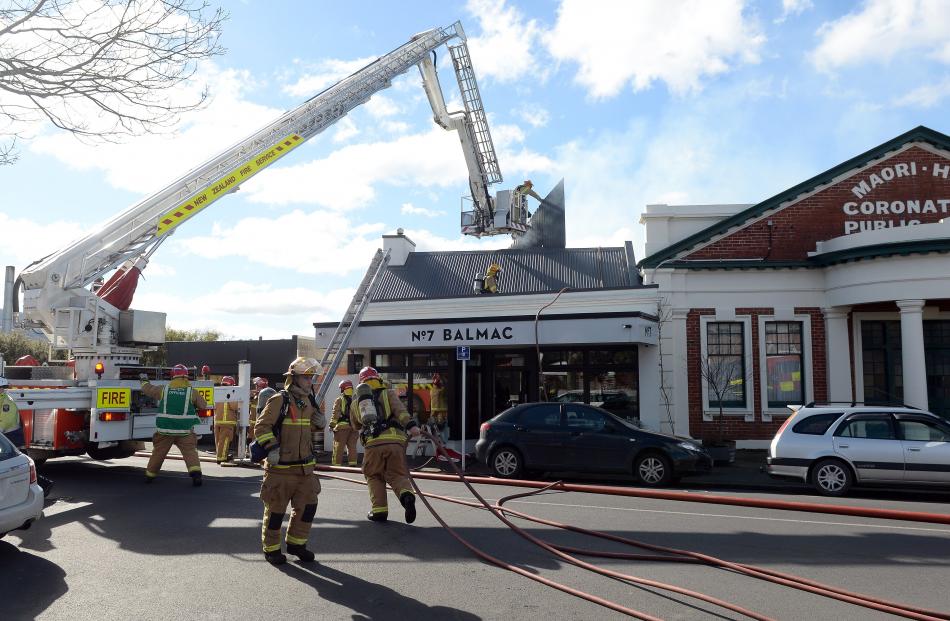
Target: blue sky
{"x":631,"y":103}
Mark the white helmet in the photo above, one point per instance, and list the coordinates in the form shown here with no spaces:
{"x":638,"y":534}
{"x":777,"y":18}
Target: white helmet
{"x":304,"y":366}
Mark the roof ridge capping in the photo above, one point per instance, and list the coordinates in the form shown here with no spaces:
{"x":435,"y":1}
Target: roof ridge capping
{"x":920,"y":133}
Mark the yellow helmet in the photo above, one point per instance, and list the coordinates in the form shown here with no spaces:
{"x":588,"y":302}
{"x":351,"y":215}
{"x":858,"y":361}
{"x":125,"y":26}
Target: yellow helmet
{"x":304,"y":366}
{"x":528,"y":183}
{"x":494,"y":268}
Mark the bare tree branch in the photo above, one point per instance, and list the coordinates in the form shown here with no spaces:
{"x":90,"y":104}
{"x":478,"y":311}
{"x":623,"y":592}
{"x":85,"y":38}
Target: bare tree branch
{"x":101,"y":69}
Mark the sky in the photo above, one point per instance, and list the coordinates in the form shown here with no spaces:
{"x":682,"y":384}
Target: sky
{"x":631,"y":103}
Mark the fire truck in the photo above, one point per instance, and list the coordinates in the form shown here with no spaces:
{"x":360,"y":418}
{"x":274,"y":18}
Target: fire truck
{"x":80,"y":296}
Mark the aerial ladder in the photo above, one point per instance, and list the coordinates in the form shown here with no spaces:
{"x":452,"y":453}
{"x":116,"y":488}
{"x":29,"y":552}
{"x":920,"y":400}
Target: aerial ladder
{"x":66,"y":295}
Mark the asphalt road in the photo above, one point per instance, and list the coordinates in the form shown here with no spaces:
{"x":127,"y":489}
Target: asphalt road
{"x":111,"y":547}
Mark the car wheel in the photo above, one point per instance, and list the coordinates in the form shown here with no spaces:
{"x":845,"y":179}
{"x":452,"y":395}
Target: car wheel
{"x":832,"y":477}
{"x":653,"y":470}
{"x":506,"y":463}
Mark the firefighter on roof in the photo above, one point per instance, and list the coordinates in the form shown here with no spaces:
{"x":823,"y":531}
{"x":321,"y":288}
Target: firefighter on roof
{"x":287,"y":426}
{"x":344,"y":435}
{"x":383,"y":421}
{"x":225,"y":424}
{"x":178,"y":405}
{"x":491,"y":278}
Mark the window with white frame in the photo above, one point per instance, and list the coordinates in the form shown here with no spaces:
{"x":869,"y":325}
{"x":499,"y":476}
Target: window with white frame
{"x":784,"y":363}
{"x":723,"y":368}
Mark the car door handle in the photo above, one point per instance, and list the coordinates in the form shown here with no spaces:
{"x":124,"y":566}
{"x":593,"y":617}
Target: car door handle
{"x":915,"y":450}
{"x":842,"y":446}
{"x":520,"y":428}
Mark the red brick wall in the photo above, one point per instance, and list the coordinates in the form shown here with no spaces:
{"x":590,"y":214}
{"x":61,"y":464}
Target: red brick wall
{"x":821,"y":217}
{"x":736,"y":427}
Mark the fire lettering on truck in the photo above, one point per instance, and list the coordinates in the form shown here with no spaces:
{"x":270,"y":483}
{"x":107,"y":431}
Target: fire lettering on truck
{"x":225,"y":183}
{"x":208,"y":393}
{"x":113,"y":398}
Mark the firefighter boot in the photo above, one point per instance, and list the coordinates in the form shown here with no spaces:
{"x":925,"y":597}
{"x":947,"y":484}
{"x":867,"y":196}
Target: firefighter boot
{"x":275,"y":557}
{"x":408,"y":502}
{"x":377,"y":517}
{"x":196,"y":479}
{"x":300,"y":551}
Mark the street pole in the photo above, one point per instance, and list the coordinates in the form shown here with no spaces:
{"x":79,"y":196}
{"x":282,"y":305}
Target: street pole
{"x":464,"y":365}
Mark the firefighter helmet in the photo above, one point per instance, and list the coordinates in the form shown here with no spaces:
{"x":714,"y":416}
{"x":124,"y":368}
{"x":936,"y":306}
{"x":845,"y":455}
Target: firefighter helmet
{"x":179,"y":370}
{"x":260,"y":383}
{"x":205,"y":369}
{"x":26,"y":361}
{"x":346,"y":384}
{"x":304,"y":366}
{"x":528,"y":183}
{"x":227,"y":380}
{"x":368,"y":373}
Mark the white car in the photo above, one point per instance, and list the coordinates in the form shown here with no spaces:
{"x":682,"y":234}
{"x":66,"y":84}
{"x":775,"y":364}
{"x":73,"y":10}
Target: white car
{"x":21,"y":497}
{"x":833,"y":447}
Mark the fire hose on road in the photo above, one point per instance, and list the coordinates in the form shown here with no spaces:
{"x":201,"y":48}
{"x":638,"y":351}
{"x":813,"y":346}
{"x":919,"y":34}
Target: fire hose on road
{"x":667,"y":554}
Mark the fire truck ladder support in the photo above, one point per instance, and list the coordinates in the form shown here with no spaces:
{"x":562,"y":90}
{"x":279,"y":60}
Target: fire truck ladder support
{"x":481,"y":137}
{"x":336,"y":348}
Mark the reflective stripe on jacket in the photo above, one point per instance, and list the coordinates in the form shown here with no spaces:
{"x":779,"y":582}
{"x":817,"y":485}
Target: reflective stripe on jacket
{"x":340,"y":418}
{"x":393,"y":412}
{"x":226,"y":413}
{"x":178,"y":406}
{"x":296,"y":430}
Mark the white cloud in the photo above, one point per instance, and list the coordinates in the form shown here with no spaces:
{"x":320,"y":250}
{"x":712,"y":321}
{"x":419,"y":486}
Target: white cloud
{"x":793,"y":7}
{"x":26,"y":240}
{"x":427,"y":241}
{"x":504,"y":48}
{"x":679,"y":43}
{"x":926,"y":96}
{"x":149,"y":162}
{"x":533,"y":114}
{"x":505,"y":135}
{"x":345,"y":129}
{"x":326,"y":73}
{"x":882,"y":30}
{"x":408,"y":209}
{"x":319,"y":242}
{"x":380,"y":106}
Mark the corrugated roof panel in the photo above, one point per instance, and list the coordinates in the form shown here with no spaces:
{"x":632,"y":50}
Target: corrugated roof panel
{"x":534,"y":270}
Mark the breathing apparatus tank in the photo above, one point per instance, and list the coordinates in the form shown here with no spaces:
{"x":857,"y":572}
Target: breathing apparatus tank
{"x":364,"y":400}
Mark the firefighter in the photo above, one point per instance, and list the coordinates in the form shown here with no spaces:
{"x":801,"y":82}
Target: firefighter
{"x":439,"y":405}
{"x":527,"y":189}
{"x":225,"y":424}
{"x":10,"y":417}
{"x":344,"y":436}
{"x":519,"y":207}
{"x":491,"y":278}
{"x":205,"y":371}
{"x":178,"y":405}
{"x":382,"y":422}
{"x":257,"y":385}
{"x":288,"y":425}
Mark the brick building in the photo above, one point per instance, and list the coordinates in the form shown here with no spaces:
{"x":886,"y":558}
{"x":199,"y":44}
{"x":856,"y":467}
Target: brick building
{"x":835,"y":289}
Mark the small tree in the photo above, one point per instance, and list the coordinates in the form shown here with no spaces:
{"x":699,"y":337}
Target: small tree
{"x":722,"y":375}
{"x":158,"y":357}
{"x":100,"y":68}
{"x":14,"y":344}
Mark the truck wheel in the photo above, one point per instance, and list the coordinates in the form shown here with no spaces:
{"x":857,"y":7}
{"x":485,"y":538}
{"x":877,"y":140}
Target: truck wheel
{"x":832,"y":477}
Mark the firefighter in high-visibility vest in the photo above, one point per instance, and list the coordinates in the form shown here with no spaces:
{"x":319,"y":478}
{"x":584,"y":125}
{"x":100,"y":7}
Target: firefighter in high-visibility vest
{"x":225,"y":424}
{"x":288,"y":426}
{"x":10,"y":417}
{"x":344,"y":435}
{"x":178,"y":405}
{"x":383,"y":423}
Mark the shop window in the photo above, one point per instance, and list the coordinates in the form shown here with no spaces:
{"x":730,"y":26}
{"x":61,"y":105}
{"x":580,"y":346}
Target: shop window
{"x":723,"y":368}
{"x":617,"y":392}
{"x":564,"y":386}
{"x":388,"y":360}
{"x":937,"y":360}
{"x":883,"y":370}
{"x":430,"y":359}
{"x":558,"y":359}
{"x":399,"y":382}
{"x":617,"y":357}
{"x":784,"y":363}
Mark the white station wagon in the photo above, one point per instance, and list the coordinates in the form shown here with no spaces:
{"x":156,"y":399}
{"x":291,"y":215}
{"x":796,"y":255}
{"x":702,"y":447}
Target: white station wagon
{"x":834,"y":447}
{"x":21,"y":497}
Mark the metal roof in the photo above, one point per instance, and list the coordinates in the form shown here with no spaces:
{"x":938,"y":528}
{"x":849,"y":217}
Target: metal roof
{"x":427,"y":275}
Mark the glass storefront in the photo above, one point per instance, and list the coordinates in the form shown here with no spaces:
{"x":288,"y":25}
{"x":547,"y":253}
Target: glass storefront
{"x":496,"y":379}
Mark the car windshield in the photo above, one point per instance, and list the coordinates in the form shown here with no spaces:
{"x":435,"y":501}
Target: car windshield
{"x":7,"y":450}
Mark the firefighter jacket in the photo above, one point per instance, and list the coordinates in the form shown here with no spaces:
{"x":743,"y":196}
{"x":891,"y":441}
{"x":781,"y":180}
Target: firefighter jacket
{"x":226,"y":413}
{"x":9,"y":414}
{"x":393,"y":419}
{"x":340,"y":418}
{"x":302,"y":420}
{"x":178,"y":405}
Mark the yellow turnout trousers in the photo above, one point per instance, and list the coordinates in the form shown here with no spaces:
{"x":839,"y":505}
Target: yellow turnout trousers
{"x":223,"y":436}
{"x":344,"y":439}
{"x":162,"y":443}
{"x":382,"y":464}
{"x":301,"y":491}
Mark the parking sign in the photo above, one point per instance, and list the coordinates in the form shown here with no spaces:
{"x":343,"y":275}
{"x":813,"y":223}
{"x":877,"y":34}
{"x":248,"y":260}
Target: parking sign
{"x":463,"y":353}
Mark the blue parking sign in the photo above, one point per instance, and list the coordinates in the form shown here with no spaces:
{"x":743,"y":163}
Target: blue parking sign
{"x":463,"y":353}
